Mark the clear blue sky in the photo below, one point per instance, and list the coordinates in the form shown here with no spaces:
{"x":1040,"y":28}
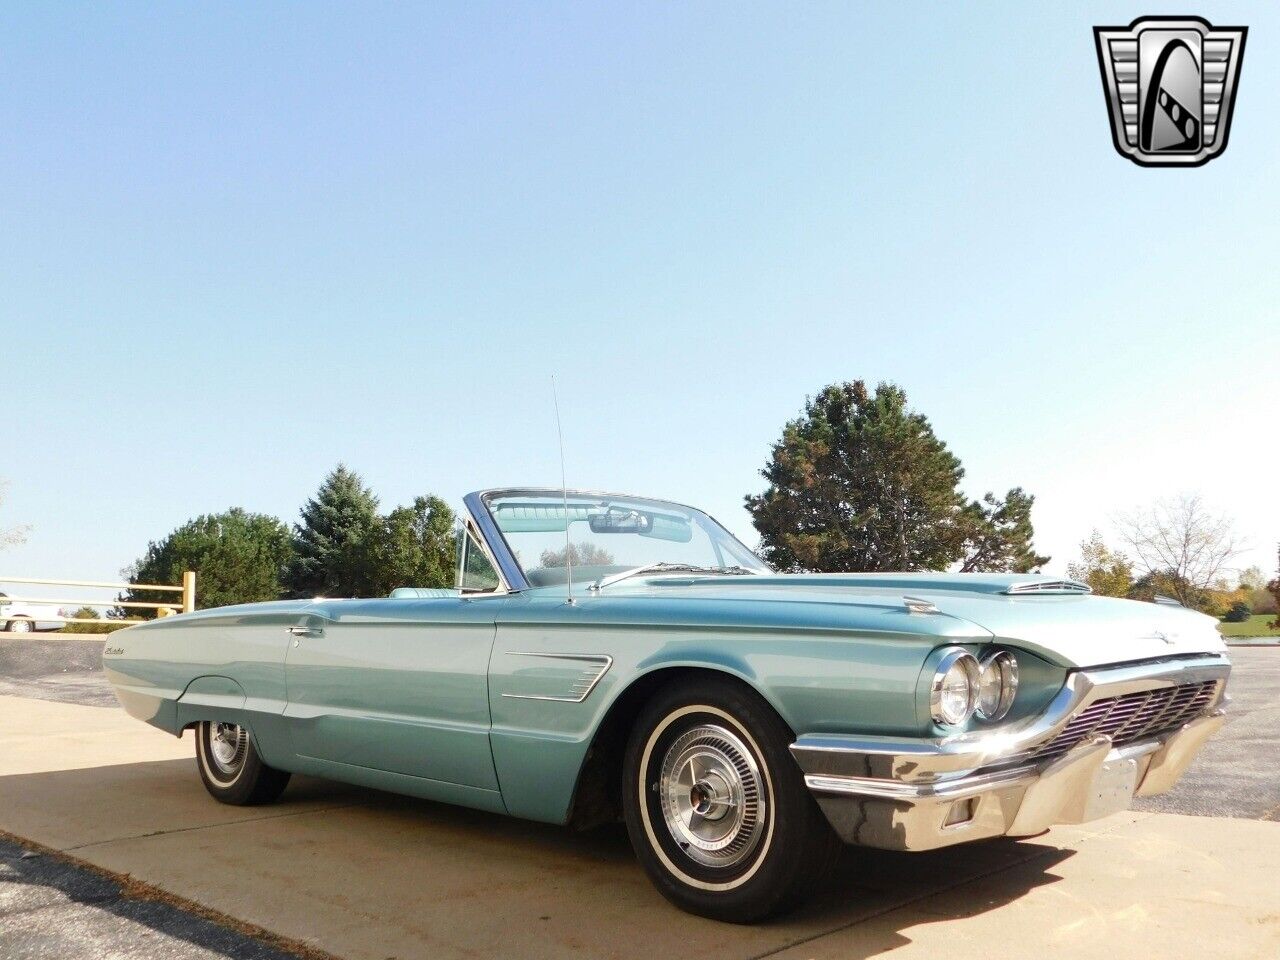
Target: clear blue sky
{"x":241,"y":244}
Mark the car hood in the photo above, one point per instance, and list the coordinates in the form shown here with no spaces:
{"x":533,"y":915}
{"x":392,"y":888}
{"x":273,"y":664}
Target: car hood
{"x":1071,"y":628}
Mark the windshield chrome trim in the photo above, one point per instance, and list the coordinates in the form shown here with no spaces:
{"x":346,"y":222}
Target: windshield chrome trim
{"x":495,"y":543}
{"x":500,"y":551}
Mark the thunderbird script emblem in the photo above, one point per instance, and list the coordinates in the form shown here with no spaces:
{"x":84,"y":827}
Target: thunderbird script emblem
{"x":1170,"y":84}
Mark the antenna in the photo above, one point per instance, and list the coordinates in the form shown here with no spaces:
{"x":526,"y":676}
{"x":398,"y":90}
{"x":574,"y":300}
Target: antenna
{"x":564,"y":493}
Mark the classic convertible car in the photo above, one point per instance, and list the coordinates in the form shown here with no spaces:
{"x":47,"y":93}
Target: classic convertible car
{"x":607,"y":657}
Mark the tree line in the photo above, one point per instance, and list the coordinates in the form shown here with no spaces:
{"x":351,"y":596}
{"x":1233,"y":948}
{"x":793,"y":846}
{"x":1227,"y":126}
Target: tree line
{"x":341,"y":546}
{"x":859,"y":481}
{"x":1178,"y":549}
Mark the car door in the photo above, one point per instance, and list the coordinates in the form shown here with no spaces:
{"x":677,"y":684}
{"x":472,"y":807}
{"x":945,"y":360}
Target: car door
{"x":395,"y":685}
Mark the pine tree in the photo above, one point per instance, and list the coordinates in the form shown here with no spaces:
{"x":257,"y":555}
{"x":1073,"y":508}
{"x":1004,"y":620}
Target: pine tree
{"x":998,"y":535}
{"x":334,"y":545}
{"x":860,"y":482}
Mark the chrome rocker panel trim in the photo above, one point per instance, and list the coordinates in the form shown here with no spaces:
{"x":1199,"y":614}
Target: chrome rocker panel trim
{"x":901,"y":794}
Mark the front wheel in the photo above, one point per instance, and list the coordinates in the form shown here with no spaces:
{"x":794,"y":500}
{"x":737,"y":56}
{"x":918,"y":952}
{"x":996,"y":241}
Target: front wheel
{"x":717,"y":809}
{"x":232,"y":769}
{"x":22,"y":625}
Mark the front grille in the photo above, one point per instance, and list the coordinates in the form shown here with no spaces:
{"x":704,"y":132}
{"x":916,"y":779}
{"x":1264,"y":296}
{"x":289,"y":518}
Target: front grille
{"x":1132,"y":716}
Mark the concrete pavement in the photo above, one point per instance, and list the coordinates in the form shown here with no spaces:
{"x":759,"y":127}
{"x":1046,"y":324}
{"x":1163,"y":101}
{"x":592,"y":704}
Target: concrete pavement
{"x":362,"y":874}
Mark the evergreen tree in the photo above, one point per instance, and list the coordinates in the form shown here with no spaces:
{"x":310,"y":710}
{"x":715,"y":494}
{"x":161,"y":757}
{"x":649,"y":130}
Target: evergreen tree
{"x":335,"y":544}
{"x":860,"y":482}
{"x":998,"y":535}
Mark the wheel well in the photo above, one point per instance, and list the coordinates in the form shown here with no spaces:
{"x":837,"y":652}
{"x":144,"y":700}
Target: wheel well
{"x":597,"y":797}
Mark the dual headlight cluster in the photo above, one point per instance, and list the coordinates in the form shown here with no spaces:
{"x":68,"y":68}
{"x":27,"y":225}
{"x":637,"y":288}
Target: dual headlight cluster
{"x":964,"y":686}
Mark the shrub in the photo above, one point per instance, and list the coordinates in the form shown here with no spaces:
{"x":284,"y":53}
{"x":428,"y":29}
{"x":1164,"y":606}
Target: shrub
{"x":88,"y":613}
{"x":1261,"y":601}
{"x":1238,"y":613}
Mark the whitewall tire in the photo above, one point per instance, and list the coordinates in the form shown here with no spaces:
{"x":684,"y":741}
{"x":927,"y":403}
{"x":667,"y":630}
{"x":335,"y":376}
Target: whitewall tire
{"x":716,"y":808}
{"x":230,"y":767}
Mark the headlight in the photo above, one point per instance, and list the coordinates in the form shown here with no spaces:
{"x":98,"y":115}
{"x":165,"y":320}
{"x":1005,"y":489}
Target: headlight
{"x":997,"y":684}
{"x":953,"y":695}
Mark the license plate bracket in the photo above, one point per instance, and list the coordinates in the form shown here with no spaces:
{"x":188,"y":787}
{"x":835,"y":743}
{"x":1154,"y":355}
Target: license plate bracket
{"x":1112,"y":789}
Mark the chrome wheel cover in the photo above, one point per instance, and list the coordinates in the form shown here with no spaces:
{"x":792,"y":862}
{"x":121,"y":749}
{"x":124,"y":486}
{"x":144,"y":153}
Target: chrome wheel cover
{"x":710,"y":790}
{"x":228,"y":744}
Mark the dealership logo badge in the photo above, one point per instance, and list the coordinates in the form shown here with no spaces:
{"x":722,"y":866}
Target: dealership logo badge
{"x":1170,"y":84}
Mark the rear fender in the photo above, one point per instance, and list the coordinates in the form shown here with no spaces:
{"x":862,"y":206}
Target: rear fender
{"x":221,"y":699}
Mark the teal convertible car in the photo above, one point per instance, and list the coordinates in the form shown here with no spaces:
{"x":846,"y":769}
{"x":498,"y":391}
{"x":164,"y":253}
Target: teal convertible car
{"x":610,"y":657}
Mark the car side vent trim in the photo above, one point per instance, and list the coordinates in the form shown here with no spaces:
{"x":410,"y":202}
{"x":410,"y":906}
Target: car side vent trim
{"x":594,"y":667}
{"x":1047,"y":586}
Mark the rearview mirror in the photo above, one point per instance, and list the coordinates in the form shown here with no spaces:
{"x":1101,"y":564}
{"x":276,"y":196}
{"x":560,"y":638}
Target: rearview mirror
{"x":619,"y":520}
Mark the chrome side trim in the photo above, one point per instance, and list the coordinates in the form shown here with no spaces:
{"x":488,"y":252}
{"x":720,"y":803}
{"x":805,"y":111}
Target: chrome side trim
{"x":955,"y":789}
{"x":958,"y":788}
{"x":582,"y":687}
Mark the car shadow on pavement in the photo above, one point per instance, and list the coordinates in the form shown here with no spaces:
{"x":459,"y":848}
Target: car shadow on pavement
{"x":360,"y":871}
{"x":50,"y":907}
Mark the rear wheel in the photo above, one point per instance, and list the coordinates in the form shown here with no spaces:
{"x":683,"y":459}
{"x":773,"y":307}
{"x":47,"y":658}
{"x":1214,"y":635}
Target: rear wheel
{"x":231,"y":768}
{"x":717,"y":809}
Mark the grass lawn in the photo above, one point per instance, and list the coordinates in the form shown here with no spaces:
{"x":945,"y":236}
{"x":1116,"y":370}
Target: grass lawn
{"x":1255,"y":626}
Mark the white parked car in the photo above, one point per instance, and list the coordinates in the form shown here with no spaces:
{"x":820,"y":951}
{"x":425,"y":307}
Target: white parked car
{"x":23,"y":617}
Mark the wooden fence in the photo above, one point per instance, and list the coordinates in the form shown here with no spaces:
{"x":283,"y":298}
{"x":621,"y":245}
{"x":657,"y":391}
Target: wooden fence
{"x":184,"y":603}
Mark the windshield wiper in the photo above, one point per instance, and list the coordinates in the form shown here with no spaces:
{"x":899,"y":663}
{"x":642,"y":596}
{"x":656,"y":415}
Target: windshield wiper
{"x":666,"y":568}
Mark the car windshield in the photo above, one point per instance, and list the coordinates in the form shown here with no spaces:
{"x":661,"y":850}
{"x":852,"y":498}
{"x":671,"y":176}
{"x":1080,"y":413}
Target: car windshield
{"x":605,"y":535}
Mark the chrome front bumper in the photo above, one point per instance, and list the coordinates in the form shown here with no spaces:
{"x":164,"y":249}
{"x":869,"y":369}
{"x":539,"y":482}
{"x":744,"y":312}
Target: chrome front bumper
{"x":902,"y":794}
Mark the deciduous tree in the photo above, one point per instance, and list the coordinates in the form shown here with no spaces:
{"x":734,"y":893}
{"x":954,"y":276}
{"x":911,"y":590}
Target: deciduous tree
{"x":10,"y":535}
{"x":1252,"y":578}
{"x":1182,"y":541}
{"x":1274,"y":589}
{"x":1107,"y":572}
{"x":414,"y":547}
{"x":238,"y":557}
{"x":584,"y":554}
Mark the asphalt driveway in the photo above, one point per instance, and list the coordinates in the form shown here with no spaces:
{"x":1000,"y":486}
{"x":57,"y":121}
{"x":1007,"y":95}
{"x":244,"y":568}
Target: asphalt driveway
{"x":1238,"y":773}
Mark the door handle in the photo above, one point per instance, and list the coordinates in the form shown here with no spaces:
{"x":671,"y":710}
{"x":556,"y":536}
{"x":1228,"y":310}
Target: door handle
{"x":307,"y":631}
